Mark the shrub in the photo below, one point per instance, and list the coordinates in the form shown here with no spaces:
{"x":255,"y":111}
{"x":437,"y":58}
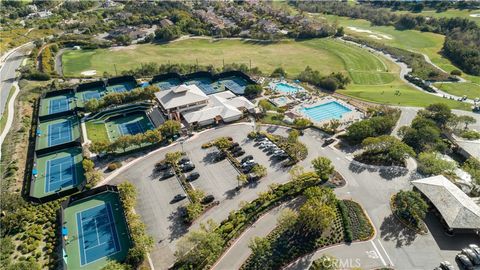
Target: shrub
{"x":470,"y":134}
{"x":346,"y":221}
{"x":114,"y":165}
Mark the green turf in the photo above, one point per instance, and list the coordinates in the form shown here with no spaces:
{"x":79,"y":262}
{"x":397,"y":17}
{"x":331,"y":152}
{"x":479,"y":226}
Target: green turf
{"x":42,"y":140}
{"x":39,"y":182}
{"x":471,"y":90}
{"x":45,"y":103}
{"x":70,"y":222}
{"x":96,"y":131}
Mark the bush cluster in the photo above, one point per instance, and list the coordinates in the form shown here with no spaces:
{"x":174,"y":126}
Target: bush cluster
{"x":92,"y":176}
{"x":330,"y":82}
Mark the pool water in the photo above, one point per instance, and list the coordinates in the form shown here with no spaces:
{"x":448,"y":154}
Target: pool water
{"x":327,"y":111}
{"x":286,"y":88}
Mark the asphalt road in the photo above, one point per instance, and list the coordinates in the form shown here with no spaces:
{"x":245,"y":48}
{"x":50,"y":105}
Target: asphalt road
{"x":8,"y":74}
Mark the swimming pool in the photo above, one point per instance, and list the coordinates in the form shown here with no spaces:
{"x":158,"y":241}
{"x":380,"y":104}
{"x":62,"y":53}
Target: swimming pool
{"x":326,"y":111}
{"x":286,"y":88}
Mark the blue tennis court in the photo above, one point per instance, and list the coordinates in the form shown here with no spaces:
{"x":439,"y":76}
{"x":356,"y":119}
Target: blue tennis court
{"x":131,"y":128}
{"x":97,"y":233}
{"x":58,"y":105}
{"x":60,"y":173}
{"x":59,"y":133}
{"x":91,"y":95}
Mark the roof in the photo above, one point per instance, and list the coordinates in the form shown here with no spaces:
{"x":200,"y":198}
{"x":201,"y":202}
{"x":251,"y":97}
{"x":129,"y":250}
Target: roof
{"x":457,"y":209}
{"x":180,"y":96}
{"x":224,"y":104}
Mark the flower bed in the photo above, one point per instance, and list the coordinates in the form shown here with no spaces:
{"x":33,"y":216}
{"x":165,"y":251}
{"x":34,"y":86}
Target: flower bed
{"x":362,"y":229}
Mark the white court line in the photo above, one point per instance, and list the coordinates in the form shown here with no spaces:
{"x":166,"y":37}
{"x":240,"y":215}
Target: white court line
{"x":379,"y":255}
{"x":386,"y":254}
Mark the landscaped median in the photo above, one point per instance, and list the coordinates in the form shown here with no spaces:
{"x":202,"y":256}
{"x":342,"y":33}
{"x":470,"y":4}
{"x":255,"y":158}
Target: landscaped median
{"x":410,"y":209}
{"x":200,"y":249}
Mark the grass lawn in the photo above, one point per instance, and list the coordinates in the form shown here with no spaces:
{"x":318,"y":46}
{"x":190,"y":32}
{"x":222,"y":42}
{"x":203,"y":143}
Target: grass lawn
{"x":96,"y":131}
{"x":371,"y":74}
{"x":450,"y":13}
{"x":471,"y":90}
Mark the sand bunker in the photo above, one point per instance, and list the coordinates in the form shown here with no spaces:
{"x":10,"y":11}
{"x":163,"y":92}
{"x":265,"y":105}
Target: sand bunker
{"x":375,"y":37}
{"x":89,"y":72}
{"x":123,"y":48}
{"x":475,"y":15}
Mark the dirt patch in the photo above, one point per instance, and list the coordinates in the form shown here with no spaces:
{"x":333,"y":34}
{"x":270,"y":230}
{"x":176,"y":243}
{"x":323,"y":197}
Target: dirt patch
{"x":123,"y":48}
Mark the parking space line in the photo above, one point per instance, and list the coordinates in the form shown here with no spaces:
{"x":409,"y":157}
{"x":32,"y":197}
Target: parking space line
{"x":384,"y":251}
{"x":379,"y":255}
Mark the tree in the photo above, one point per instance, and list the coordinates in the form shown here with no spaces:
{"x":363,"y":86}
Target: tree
{"x":193,"y":210}
{"x":467,"y":120}
{"x":385,"y":150}
{"x":438,"y":112}
{"x":287,"y":219}
{"x":242,"y":179}
{"x":88,"y":164}
{"x":430,"y":163}
{"x":114,"y":265}
{"x":259,"y":170}
{"x":168,"y":33}
{"x":302,"y":122}
{"x":410,"y":206}
{"x":253,"y":90}
{"x":99,"y":147}
{"x":322,"y":194}
{"x":323,"y":167}
{"x":173,"y":157}
{"x":261,"y":251}
{"x":200,"y":246}
{"x":170,"y":128}
{"x":472,"y":166}
{"x":279,"y":72}
{"x":152,"y":136}
{"x":223,"y":143}
{"x":123,"y":142}
{"x":196,"y":195}
{"x":316,"y":216}
{"x":293,"y":135}
{"x":295,"y":172}
{"x":324,"y":263}
{"x":135,"y":256}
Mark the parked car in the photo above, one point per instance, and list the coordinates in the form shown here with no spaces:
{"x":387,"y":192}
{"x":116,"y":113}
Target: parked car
{"x":248,"y":162}
{"x":246,"y":158}
{"x":474,"y":258}
{"x":184,"y":160}
{"x":187,"y":167}
{"x":281,"y":156}
{"x":178,"y":198}
{"x":446,"y":265}
{"x":236,"y":149}
{"x":475,"y":248}
{"x":328,"y":142}
{"x":248,"y":168}
{"x":251,"y":177}
{"x":192,"y":176}
{"x":168,"y":174}
{"x":220,"y":156}
{"x":464,"y":261}
{"x":208,"y":199}
{"x":163,"y":166}
{"x":238,"y":153}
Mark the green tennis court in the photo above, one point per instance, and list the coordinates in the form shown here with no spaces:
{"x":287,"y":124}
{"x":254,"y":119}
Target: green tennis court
{"x":127,"y":125}
{"x":91,"y":93}
{"x":57,"y":171}
{"x":121,"y":87}
{"x":56,"y":104}
{"x":97,"y":232}
{"x":58,"y":131}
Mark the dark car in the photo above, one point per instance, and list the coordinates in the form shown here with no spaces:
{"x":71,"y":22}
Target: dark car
{"x":168,"y":174}
{"x":208,"y":199}
{"x":246,"y":158}
{"x":163,"y":166}
{"x":187,"y":167}
{"x":281,"y":156}
{"x":236,"y":149}
{"x":446,"y":265}
{"x":247,"y":168}
{"x":328,"y":142}
{"x":475,"y":248}
{"x":474,"y":258}
{"x":220,"y":156}
{"x":251,"y":177}
{"x":178,"y":198}
{"x":193,"y":176}
{"x":234,"y":145}
{"x":238,"y":153}
{"x":464,"y":261}
{"x":183,"y":161}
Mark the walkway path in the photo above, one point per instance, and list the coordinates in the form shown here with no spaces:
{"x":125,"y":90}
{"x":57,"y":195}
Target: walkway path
{"x":11,"y":114}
